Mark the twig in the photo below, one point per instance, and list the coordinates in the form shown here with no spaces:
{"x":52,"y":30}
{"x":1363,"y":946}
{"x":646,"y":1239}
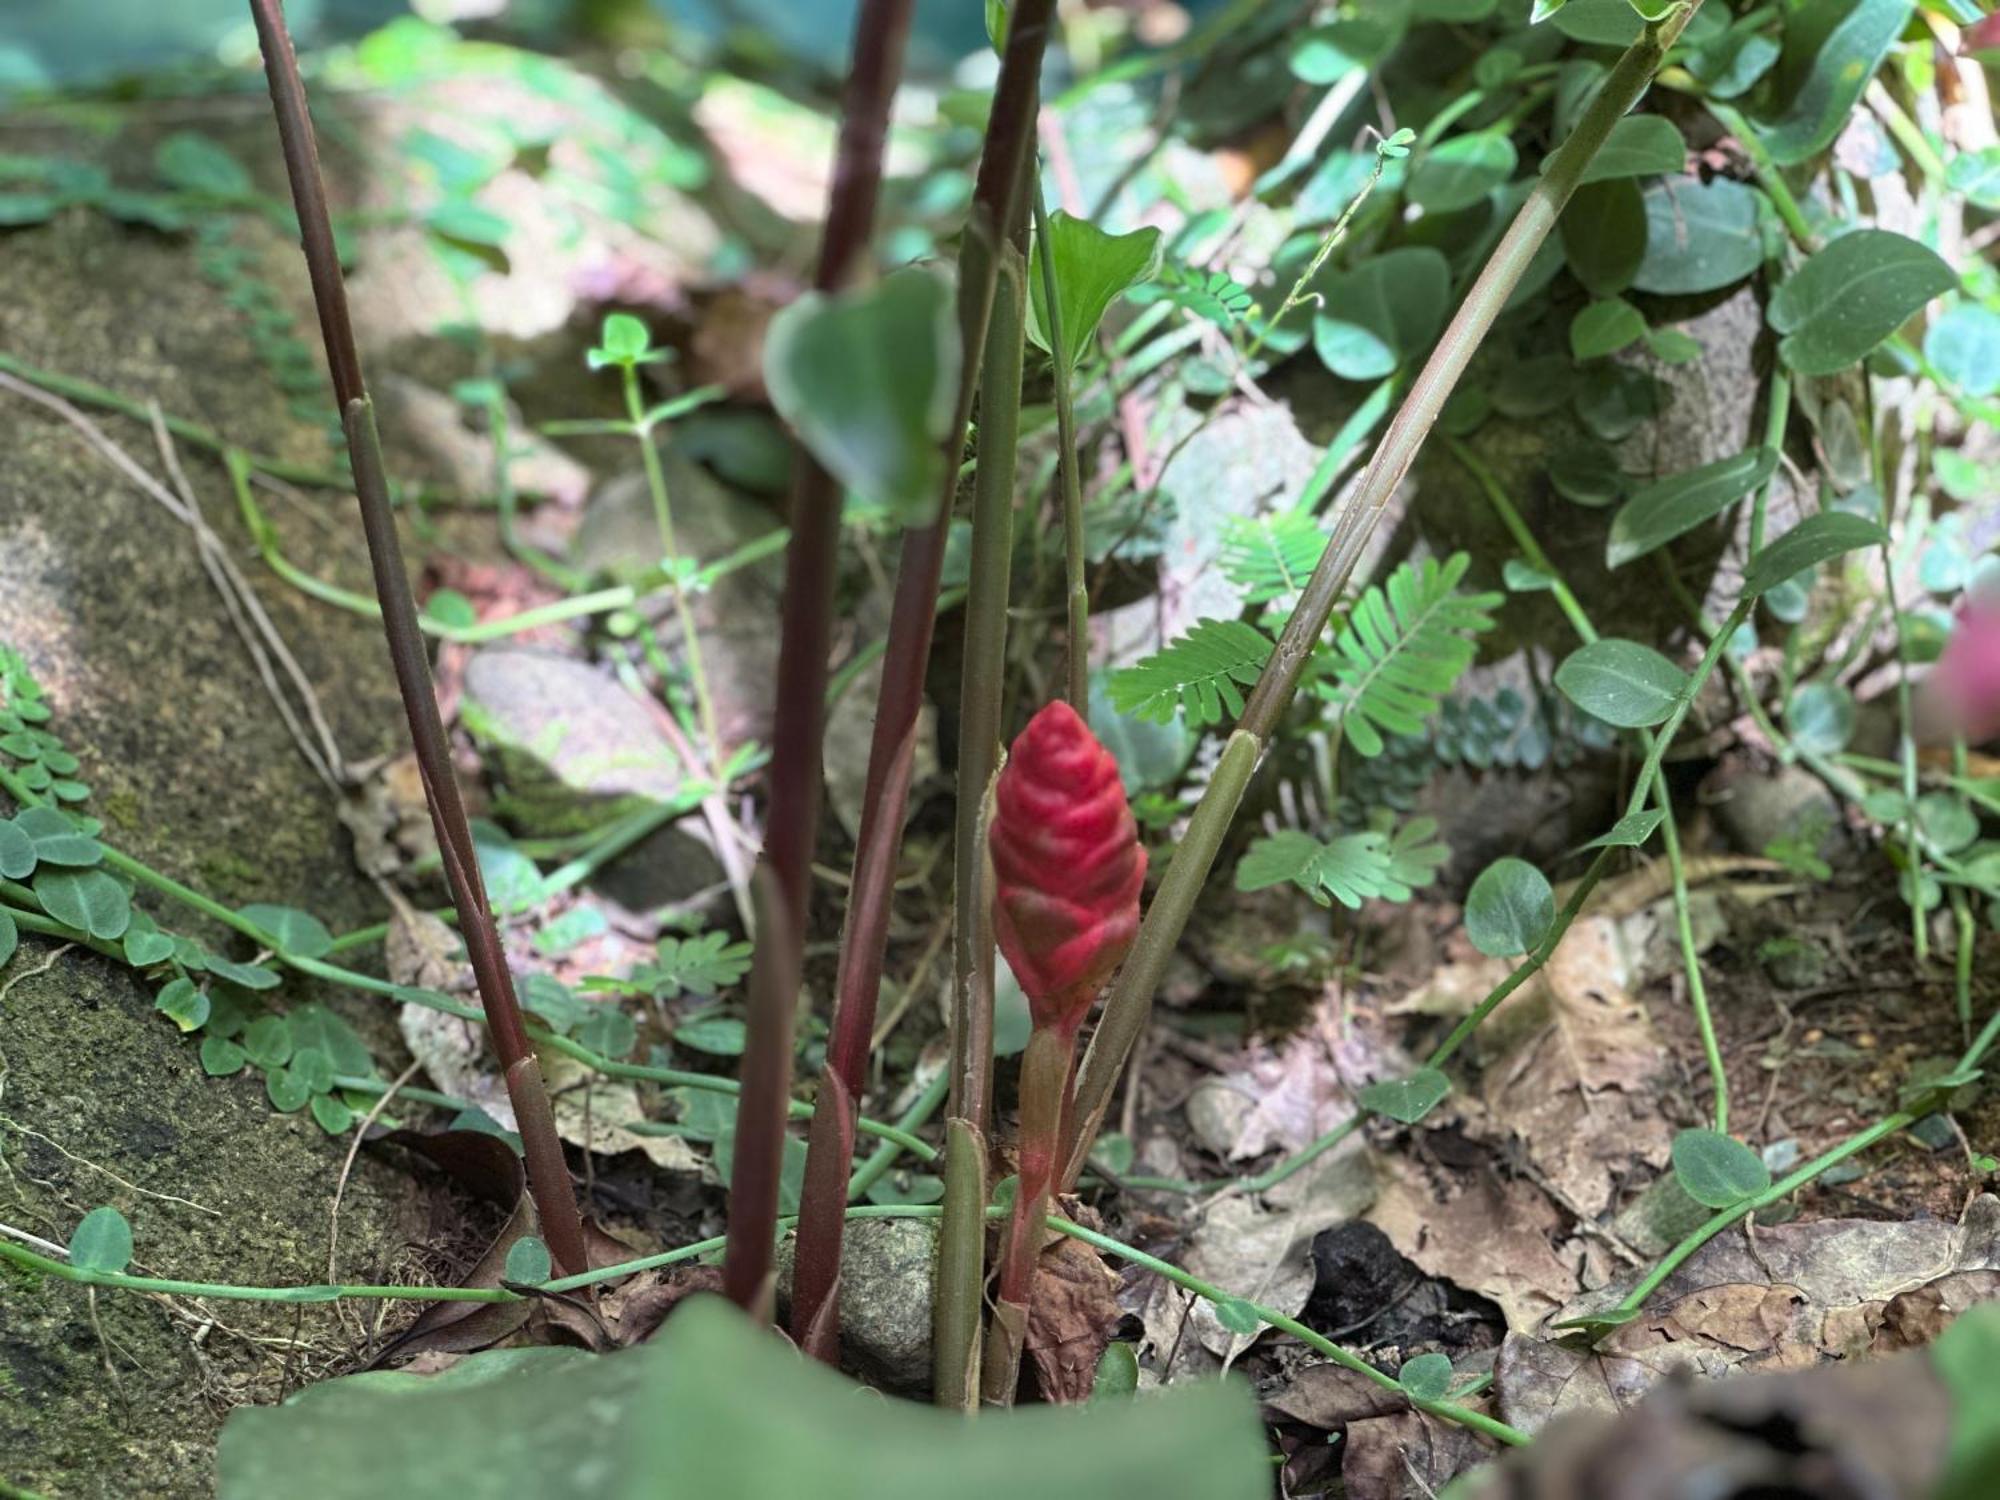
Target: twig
{"x":361,"y":1130}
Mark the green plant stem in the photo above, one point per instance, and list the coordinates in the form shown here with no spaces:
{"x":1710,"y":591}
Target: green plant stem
{"x":884,"y":1156}
{"x":962,"y":1236}
{"x":1653,"y":782}
{"x":1045,"y":1075}
{"x":316,"y":968}
{"x":1923,"y":156}
{"x":1130,"y":1004}
{"x":1004,"y":163}
{"x":89,"y":394}
{"x":1076,"y":653}
{"x":1778,"y":410}
{"x":1790,"y":1183}
{"x":58,"y":1270}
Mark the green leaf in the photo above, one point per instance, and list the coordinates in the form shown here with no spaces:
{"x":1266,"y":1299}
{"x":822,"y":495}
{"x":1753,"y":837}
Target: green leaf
{"x":1676,"y":505}
{"x":1117,"y":1372}
{"x":332,"y":1114}
{"x":315,"y":1028}
{"x":1326,"y":54}
{"x":287,"y":1091}
{"x":516,"y":1422}
{"x":1214,"y":295}
{"x":1383,"y":312}
{"x":1509,"y":909}
{"x":20,"y":209}
{"x":56,"y":838}
{"x":1404,"y":647}
{"x":221,"y":1057}
{"x":1964,"y":1357}
{"x":1604,"y":23}
{"x":17,"y":852}
{"x":1849,"y":297}
{"x":1426,"y":1378}
{"x":1822,"y":717}
{"x":289,"y":930}
{"x":248,"y":976}
{"x":1964,"y":345}
{"x":1716,"y":1170}
{"x":267,"y":1041}
{"x":1352,"y":868}
{"x":197,"y":164}
{"x":700,"y":965}
{"x":1588,"y":474}
{"x":465,"y":222}
{"x":1092,"y":270}
{"x":450,"y":608}
{"x":101,"y":1242}
{"x":528,"y":1262}
{"x":1700,"y":236}
{"x":1271,"y":557}
{"x":625,"y":341}
{"x":1460,"y":172}
{"x":1831,"y":49}
{"x":1728,"y":64}
{"x":1406,"y":1100}
{"x":145,"y":944}
{"x":868,"y":380}
{"x":88,"y":900}
{"x":1603,"y":328}
{"x":1199,"y":673}
{"x":1815,"y":540}
{"x":1629,"y":832}
{"x":180,"y":1002}
{"x":577,"y":925}
{"x":10,"y":938}
{"x":1238,"y":1316}
{"x":1621,"y":682}
{"x":719,"y":1036}
{"x":608,"y":1030}
{"x":312,"y":1067}
{"x":1638,"y":146}
{"x":1976,"y":175}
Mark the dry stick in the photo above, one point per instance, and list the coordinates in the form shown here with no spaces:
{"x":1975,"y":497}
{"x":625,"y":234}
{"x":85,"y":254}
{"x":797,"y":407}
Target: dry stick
{"x":962,"y":1233}
{"x":1126,"y":1012}
{"x":792,"y":821}
{"x":830,"y":1149}
{"x":548,"y":1172}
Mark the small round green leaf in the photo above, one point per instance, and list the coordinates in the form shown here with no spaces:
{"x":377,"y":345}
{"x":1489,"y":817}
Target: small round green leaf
{"x":10,"y":938}
{"x":1700,"y":236}
{"x":102,"y":1242}
{"x":1509,"y":909}
{"x":56,"y":838}
{"x":267,"y":1041}
{"x":1822,"y":716}
{"x":1406,"y":1100}
{"x":286,"y":1090}
{"x":289,"y":930}
{"x":1459,"y":172}
{"x":17,"y":852}
{"x":1622,"y":682}
{"x":88,"y":900}
{"x":332,"y":1114}
{"x":1426,"y":1378}
{"x":221,"y":1057}
{"x":180,"y":1002}
{"x":1716,"y":1170}
{"x":528,"y":1262}
{"x":313,"y":1068}
{"x":1238,"y":1316}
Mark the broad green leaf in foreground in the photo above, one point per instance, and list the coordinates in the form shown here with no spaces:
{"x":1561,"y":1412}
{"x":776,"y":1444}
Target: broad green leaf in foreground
{"x":868,"y":379}
{"x":716,"y":1408}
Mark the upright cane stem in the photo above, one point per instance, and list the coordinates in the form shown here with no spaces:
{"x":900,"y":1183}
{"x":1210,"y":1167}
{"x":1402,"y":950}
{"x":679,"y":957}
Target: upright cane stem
{"x":548,"y":1172}
{"x":1126,"y":1013}
{"x":830,"y":1147}
{"x":962,"y":1234}
{"x":792,"y":819}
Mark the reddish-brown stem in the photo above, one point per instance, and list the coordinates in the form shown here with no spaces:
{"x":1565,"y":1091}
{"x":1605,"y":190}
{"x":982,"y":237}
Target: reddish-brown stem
{"x":548,"y":1172}
{"x":792,"y":819}
{"x":1046,"y":1068}
{"x":1009,"y":138}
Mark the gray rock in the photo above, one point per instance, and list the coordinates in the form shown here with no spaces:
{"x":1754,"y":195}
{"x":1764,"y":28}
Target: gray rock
{"x":888,"y":1269}
{"x":1756,"y":807}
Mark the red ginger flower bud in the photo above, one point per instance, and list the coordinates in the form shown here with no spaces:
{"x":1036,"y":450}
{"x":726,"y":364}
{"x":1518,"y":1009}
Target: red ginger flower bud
{"x":1067,"y":866}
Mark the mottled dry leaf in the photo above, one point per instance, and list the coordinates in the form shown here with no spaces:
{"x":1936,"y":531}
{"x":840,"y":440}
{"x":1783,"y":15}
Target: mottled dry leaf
{"x":1802,"y":1293}
{"x":1261,"y":1249}
{"x":1280,"y":1100}
{"x":1481,"y":1233}
{"x":1535,"y":1382}
{"x":1408,"y":1455}
{"x":1074,"y":1311}
{"x":1571,"y":1072}
{"x":592,"y":1110}
{"x":1330,"y":1396}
